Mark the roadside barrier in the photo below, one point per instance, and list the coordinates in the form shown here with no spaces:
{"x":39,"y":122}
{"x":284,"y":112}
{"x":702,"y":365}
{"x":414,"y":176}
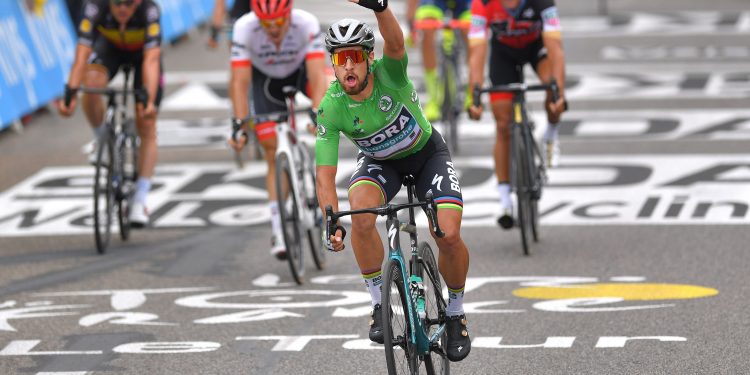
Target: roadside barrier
{"x":37,"y":48}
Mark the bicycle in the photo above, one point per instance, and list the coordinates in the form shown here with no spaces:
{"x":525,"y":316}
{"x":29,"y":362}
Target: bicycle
{"x":116,"y":169}
{"x":527,"y":169}
{"x":295,"y":187}
{"x":413,"y":306}
{"x":453,"y":89}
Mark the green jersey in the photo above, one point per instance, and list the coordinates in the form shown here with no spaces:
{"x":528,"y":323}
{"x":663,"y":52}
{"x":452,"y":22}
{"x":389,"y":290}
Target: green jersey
{"x":387,"y":125}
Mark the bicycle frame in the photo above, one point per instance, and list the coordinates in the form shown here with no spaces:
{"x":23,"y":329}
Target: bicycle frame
{"x":290,"y":144}
{"x":527,"y":169}
{"x":394,"y":225}
{"x":417,"y":335}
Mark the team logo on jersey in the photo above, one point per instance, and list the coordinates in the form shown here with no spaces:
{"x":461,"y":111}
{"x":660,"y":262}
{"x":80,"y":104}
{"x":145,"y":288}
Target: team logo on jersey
{"x":91,"y":10}
{"x":401,"y":134}
{"x":85,"y":26}
{"x":321,"y":130}
{"x":356,"y":124}
{"x":153,"y":29}
{"x":414,"y":96}
{"x":385,"y":103}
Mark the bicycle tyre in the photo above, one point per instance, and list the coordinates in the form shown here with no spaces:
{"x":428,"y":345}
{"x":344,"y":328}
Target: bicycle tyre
{"x":538,"y":184}
{"x":449,"y":113}
{"x":436,"y":363}
{"x":520,"y":170}
{"x":290,"y":218}
{"x":315,"y":234}
{"x":104,"y":195}
{"x":400,"y":356}
{"x":128,"y":161}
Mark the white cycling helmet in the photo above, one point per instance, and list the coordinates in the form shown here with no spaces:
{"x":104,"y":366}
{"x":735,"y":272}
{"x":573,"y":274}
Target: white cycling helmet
{"x":348,"y":33}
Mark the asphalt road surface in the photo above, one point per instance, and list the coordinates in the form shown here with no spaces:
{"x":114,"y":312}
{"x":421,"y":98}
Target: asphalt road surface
{"x":641,"y":267}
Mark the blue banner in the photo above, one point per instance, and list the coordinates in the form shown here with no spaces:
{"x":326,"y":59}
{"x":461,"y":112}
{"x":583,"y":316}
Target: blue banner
{"x":37,"y":51}
{"x":179,"y":16}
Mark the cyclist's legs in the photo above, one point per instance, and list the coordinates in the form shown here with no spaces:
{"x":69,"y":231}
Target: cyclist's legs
{"x":439,"y":175}
{"x":148,"y":151}
{"x":431,"y":10}
{"x":102,"y":66}
{"x":373,"y":183}
{"x":544,"y":72}
{"x":505,"y":67}
{"x":267,"y":97}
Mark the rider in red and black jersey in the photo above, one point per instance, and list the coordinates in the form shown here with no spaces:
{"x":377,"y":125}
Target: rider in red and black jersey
{"x":519,"y":32}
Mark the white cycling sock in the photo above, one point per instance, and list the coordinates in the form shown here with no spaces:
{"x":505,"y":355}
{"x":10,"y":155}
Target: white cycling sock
{"x":504,"y":189}
{"x":142,"y":187}
{"x":275,"y":218}
{"x":373,"y":281}
{"x":551,"y":133}
{"x":455,"y":302}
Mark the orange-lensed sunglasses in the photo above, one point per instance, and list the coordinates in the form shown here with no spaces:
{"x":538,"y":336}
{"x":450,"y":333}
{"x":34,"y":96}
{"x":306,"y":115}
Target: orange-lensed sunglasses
{"x":280,"y":21}
{"x":357,"y":56}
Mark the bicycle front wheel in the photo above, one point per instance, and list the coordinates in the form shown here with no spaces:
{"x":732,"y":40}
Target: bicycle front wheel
{"x":450,"y":104}
{"x":128,"y":170}
{"x":436,"y":362}
{"x":400,"y":351}
{"x":290,"y":216}
{"x":314,"y":234}
{"x":522,"y":183}
{"x":104,"y":195}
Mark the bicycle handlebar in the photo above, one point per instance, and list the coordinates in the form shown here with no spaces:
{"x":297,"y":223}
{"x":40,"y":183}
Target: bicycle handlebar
{"x":272,"y":116}
{"x":140,"y":95}
{"x":518,"y":88}
{"x":385,"y":210}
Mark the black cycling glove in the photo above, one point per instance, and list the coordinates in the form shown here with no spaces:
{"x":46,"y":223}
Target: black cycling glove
{"x":376,"y":5}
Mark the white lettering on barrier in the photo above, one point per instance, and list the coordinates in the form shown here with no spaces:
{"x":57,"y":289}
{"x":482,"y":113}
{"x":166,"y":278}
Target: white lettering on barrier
{"x":52,"y":39}
{"x":19,"y":64}
{"x":180,"y":347}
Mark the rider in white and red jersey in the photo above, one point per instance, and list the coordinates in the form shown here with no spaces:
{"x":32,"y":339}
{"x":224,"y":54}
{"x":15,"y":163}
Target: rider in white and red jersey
{"x":272,"y":47}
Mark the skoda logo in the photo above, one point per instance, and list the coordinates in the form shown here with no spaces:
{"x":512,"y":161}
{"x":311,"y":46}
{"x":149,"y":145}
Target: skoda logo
{"x":385,"y":103}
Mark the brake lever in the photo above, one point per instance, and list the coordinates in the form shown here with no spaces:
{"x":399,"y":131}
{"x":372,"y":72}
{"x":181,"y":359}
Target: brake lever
{"x":431,"y":211}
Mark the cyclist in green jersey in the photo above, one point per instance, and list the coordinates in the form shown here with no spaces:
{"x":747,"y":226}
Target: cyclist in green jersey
{"x":374,"y":104}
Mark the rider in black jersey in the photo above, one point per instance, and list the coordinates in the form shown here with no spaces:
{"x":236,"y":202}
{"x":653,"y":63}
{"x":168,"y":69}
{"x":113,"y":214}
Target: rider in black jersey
{"x":113,"y":33}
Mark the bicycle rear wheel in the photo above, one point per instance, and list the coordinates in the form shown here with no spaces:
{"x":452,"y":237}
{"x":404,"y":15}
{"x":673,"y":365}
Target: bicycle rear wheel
{"x":290,"y":217}
{"x":400,"y":352}
{"x":522,"y":183}
{"x":104,"y":195}
{"x":436,"y":362}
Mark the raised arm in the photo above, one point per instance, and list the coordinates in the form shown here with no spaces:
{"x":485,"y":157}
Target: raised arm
{"x":388,"y":26}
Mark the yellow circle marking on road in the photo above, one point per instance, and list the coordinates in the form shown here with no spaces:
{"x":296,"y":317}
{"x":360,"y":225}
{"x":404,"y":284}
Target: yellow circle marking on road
{"x":629,"y":292}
